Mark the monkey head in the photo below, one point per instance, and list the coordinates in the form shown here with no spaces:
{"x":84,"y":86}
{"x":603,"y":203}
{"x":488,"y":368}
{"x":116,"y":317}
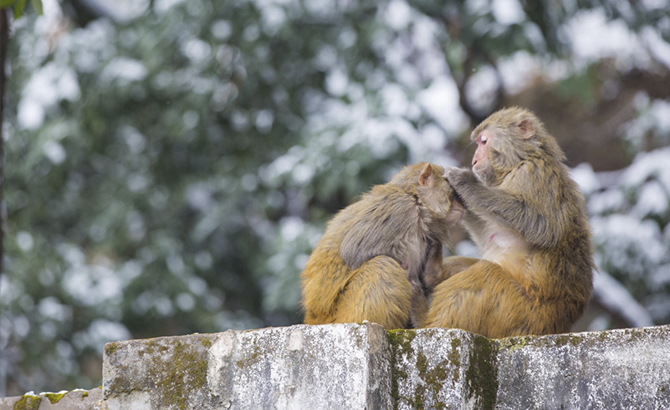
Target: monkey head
{"x":438,"y":198}
{"x":432,"y":190}
{"x":507,"y":138}
{"x":437,"y":194}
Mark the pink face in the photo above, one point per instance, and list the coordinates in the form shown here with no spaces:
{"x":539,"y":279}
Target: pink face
{"x":480,"y":160}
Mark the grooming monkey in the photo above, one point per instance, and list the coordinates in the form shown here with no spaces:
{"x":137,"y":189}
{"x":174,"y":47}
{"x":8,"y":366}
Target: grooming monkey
{"x":371,"y":260}
{"x":529,"y":221}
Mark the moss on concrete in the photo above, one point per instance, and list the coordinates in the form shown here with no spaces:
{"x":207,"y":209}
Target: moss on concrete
{"x":401,"y":344}
{"x":176,"y":369}
{"x":565,"y":339}
{"x":251,"y":360}
{"x":28,"y":402}
{"x":433,"y":378}
{"x":455,"y":358}
{"x":110,"y":348}
{"x":119,"y":385}
{"x":482,"y":373}
{"x":206,"y":342}
{"x":185,"y":373}
{"x":432,"y":374}
{"x":401,"y":340}
{"x":443,"y":365}
{"x":55,"y":397}
{"x":513,"y":344}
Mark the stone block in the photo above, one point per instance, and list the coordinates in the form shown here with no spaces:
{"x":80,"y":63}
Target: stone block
{"x":344,"y":366}
{"x":443,"y":368}
{"x":66,"y":400}
{"x":361,"y":366}
{"x":613,"y":369}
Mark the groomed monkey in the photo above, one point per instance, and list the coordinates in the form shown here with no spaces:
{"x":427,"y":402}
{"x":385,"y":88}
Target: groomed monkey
{"x":529,"y":221}
{"x":371,"y":260}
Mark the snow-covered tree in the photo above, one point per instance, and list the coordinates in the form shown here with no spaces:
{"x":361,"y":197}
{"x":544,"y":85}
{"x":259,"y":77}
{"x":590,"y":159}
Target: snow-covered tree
{"x":170,"y":164}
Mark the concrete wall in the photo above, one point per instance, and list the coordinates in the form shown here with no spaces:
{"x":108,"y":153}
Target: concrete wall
{"x":72,"y":400}
{"x":351,"y":366}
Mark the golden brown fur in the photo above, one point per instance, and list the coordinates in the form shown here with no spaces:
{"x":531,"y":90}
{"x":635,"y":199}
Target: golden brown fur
{"x":370,"y":261}
{"x":529,"y":221}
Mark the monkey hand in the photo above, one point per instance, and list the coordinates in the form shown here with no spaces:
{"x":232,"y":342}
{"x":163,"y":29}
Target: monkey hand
{"x":459,"y":178}
{"x":463,"y":182}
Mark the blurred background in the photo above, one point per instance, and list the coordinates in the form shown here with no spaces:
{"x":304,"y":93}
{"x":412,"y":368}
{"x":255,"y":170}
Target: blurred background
{"x":170,"y":164}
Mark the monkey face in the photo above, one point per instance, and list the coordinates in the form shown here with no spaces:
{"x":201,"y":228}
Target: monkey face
{"x":481,"y":163}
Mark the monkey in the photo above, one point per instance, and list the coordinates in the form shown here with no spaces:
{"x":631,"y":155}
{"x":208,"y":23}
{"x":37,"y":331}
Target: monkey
{"x":371,"y":260}
{"x":449,"y":267}
{"x":529,"y":221}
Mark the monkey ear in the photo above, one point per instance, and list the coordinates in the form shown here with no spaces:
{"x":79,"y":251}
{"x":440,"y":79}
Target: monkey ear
{"x":426,"y":177}
{"x":526,"y":127}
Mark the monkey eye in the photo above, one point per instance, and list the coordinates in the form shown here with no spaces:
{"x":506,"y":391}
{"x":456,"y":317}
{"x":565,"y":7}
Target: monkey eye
{"x":483,"y":139}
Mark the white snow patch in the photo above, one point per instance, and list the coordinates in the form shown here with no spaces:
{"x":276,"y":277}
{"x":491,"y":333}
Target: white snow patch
{"x":482,"y":86}
{"x":46,"y":87}
{"x":652,"y":199}
{"x":594,"y":37}
{"x":54,"y":151}
{"x":508,"y":12}
{"x":657,"y":47}
{"x":124,"y":70}
{"x":586,"y":178}
{"x":120,"y":10}
{"x":196,"y":50}
{"x":337,"y":82}
{"x":648,"y":165}
{"x":398,"y":14}
{"x":618,"y":299}
{"x":440,"y":100}
{"x":162,"y":6}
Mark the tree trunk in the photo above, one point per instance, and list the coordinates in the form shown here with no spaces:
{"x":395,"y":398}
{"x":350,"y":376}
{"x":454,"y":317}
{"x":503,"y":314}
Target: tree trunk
{"x":4,"y":42}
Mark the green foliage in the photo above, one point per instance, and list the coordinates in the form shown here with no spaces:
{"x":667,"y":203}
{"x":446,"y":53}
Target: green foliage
{"x":151,"y":195}
{"x":171,"y":172}
{"x":19,"y":6}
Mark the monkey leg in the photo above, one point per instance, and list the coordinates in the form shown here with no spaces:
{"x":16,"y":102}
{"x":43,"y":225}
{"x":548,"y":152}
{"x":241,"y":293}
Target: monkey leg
{"x":379,"y":292}
{"x":455,"y":264}
{"x":449,"y":267}
{"x":486,"y":299}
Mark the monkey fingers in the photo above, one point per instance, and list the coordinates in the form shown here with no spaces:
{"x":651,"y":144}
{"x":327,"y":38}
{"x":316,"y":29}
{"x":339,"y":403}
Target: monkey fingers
{"x":458,"y":177}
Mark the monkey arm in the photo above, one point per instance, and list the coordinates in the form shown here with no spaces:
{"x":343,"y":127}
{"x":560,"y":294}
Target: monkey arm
{"x":476,"y":226}
{"x":519,"y":210}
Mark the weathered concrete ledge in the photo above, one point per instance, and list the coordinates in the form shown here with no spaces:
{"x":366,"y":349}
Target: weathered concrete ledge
{"x":361,"y":366}
{"x":614,"y":369}
{"x":66,"y":400}
{"x":297,"y":367}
